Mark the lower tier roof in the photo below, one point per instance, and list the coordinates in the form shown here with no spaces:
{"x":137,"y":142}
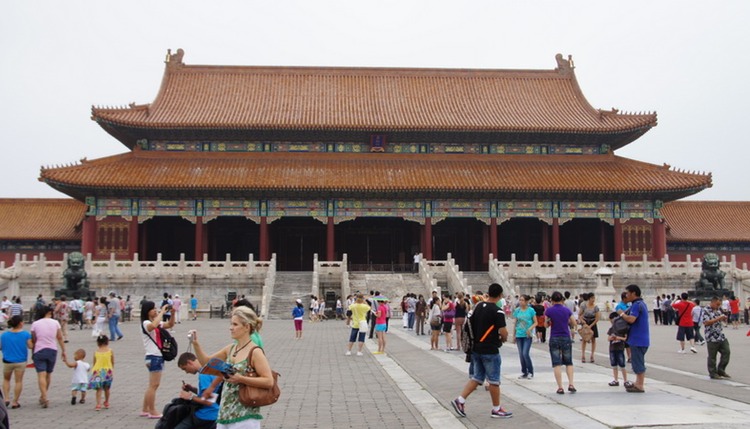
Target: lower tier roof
{"x":707,"y":221}
{"x":27,"y":219}
{"x":340,"y":175}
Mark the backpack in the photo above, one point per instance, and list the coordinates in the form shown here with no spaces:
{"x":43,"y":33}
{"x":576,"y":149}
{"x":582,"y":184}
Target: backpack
{"x":174,"y":412}
{"x":168,"y":346}
{"x":467,"y":338}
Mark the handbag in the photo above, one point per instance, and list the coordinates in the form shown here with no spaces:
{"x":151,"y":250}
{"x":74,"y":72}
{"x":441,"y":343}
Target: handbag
{"x":586,"y":333}
{"x":252,"y":396}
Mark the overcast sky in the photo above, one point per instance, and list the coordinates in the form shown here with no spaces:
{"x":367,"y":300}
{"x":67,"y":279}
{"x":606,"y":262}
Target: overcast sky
{"x":686,"y":60}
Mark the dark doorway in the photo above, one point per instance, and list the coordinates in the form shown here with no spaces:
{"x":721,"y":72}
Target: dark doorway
{"x":378,"y":244}
{"x":295,"y":240}
{"x":168,"y":235}
{"x":462,"y":238}
{"x":236,"y":236}
{"x":522,"y":236}
{"x":589,"y":237}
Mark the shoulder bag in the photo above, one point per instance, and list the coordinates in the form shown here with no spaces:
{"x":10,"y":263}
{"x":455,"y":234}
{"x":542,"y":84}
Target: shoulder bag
{"x":252,"y":396}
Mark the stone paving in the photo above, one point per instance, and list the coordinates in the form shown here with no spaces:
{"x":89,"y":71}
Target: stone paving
{"x":410,"y":386}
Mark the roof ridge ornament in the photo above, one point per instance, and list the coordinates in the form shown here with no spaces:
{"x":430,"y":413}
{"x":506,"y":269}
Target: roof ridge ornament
{"x":175,"y":60}
{"x":564,"y":66}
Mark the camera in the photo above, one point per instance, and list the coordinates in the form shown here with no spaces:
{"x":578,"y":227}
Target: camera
{"x":191,"y":335}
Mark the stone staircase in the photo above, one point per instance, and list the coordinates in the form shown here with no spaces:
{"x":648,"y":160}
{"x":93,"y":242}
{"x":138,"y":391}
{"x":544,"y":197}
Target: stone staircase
{"x":289,"y":286}
{"x":478,"y":280}
{"x":392,"y":285}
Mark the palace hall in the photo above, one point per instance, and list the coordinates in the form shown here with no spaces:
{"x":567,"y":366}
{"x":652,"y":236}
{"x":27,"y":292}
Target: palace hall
{"x":375,"y":163}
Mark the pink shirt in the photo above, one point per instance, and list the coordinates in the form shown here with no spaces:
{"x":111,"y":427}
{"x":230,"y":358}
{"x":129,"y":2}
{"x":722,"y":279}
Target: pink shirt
{"x":45,"y":332}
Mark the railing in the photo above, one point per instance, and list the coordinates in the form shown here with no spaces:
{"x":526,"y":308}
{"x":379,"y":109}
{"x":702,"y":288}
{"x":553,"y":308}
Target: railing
{"x":392,"y":268}
{"x":456,"y":280}
{"x":334,"y":270}
{"x":268,"y":285}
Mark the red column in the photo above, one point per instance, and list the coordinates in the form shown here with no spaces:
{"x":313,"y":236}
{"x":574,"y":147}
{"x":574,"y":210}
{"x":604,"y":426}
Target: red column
{"x":485,"y":243}
{"x":618,"y":240}
{"x":493,"y":236}
{"x":555,"y":237}
{"x":427,"y":250}
{"x":545,"y":242}
{"x":133,"y":237}
{"x":88,"y":240}
{"x":199,"y":242}
{"x":264,"y":254}
{"x":659,"y":239}
{"x":330,"y":244}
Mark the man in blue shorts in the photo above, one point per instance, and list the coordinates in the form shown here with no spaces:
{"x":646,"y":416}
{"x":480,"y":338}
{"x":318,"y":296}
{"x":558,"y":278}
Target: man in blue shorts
{"x":489,"y":332}
{"x":638,"y":337}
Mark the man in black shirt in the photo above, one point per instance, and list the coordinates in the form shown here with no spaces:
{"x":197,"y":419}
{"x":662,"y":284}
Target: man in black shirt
{"x":488,"y":326}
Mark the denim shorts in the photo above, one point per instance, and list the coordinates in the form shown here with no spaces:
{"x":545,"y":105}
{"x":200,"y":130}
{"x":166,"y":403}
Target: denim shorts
{"x":44,"y":360}
{"x":617,"y":358}
{"x":561,"y":351}
{"x":354,"y":334}
{"x":485,"y":367}
{"x":154,"y":363}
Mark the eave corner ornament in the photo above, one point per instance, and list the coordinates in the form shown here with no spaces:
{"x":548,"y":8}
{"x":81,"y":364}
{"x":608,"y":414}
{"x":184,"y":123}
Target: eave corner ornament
{"x":174,"y":60}
{"x":564,"y":66}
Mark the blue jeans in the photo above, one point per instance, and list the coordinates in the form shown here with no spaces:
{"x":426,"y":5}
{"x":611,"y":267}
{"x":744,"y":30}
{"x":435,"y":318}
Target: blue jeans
{"x":410,"y":320}
{"x":114,"y":330}
{"x":524,"y":353}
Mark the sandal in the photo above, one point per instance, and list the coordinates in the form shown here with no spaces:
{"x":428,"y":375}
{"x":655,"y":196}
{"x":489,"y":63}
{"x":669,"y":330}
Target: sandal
{"x":627,"y":384}
{"x":98,"y":407}
{"x":572,"y":389}
{"x":82,"y":401}
{"x":634,"y":389}
{"x":614,"y":383}
{"x":16,"y":405}
{"x":560,"y":391}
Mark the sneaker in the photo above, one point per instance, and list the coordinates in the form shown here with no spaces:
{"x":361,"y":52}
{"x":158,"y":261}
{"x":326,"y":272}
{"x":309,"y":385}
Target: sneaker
{"x":73,"y":400}
{"x":702,"y":342}
{"x":681,"y":351}
{"x":724,"y":375}
{"x":531,"y":375}
{"x":692,"y":349}
{"x":459,"y":407}
{"x":359,"y":354}
{"x":501,"y":414}
{"x":348,"y":353}
{"x":523,"y":377}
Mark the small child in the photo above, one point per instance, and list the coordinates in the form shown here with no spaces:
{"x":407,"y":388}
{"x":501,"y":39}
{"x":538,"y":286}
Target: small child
{"x":101,"y":373}
{"x":80,"y":376}
{"x":616,"y":352}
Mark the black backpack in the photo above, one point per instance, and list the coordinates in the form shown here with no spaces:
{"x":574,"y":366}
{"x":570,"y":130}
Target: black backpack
{"x":174,"y":412}
{"x":168,"y":343}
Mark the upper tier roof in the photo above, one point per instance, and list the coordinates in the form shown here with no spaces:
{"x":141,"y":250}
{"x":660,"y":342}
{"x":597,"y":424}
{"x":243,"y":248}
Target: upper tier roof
{"x":40,"y":219}
{"x":342,"y":175}
{"x":237,"y":98}
{"x":707,"y":221}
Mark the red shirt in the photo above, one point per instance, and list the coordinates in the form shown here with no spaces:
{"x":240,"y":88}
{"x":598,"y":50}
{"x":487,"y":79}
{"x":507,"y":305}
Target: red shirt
{"x":734,"y":306}
{"x":684,"y":309}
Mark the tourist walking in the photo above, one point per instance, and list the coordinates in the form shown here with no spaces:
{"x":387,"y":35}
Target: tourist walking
{"x":436,"y":323}
{"x":176,"y":307}
{"x":685,"y":329}
{"x":62,"y":315}
{"x":411,"y":309}
{"x":80,"y":380}
{"x":449,"y":313}
{"x":15,"y":343}
{"x":419,"y":314}
{"x":114,"y":312}
{"x":88,"y":312}
{"x":560,"y":320}
{"x":525,"y":327}
{"x":298,"y":315}
{"x":488,"y":325}
{"x":244,"y":357}
{"x":151,"y":318}
{"x":462,"y":308}
{"x":696,"y":315}
{"x":716,"y":341}
{"x":100,"y":313}
{"x":46,"y":335}
{"x":358,"y":323}
{"x":102,"y":373}
{"x":381,"y":327}
{"x":589,"y":316}
{"x":193,"y":307}
{"x":657,"y":310}
{"x":638,"y":336}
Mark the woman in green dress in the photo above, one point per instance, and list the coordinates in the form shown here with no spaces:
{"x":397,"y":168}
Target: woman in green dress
{"x":232,"y":414}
